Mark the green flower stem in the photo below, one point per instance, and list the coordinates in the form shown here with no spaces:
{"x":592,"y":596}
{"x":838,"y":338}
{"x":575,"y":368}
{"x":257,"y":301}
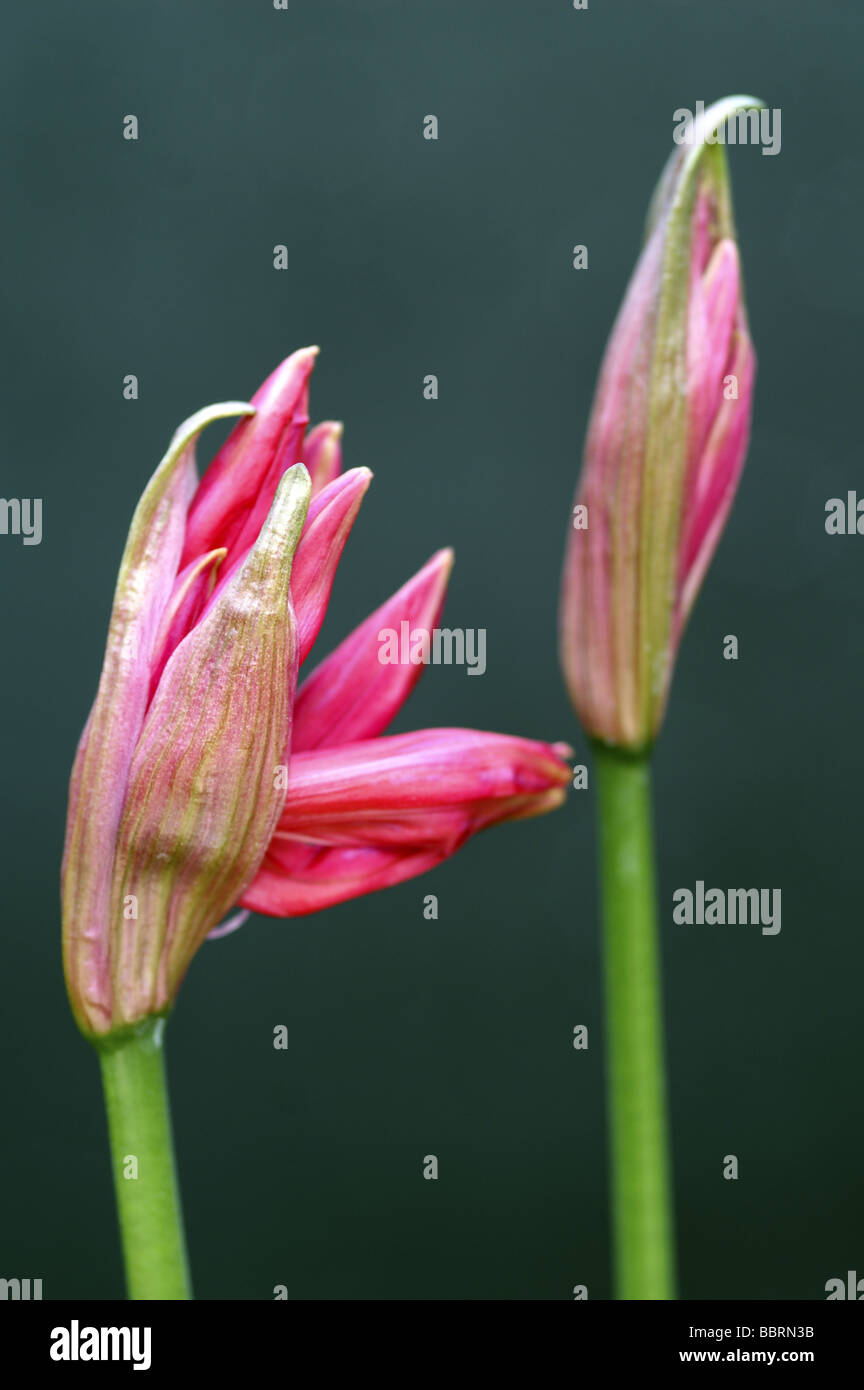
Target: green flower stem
{"x":139,"y":1125}
{"x":641,"y":1202}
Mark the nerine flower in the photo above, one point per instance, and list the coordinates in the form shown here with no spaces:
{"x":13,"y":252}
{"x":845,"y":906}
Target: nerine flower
{"x":204,"y":778}
{"x":666,"y":443}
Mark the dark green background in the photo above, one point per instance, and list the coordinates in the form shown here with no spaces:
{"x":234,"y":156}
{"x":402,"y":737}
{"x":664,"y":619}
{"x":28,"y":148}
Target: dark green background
{"x":407,"y":1037}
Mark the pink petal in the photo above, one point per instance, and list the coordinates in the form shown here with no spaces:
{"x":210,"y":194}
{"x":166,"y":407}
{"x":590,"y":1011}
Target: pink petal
{"x":331,"y":876}
{"x":183,"y":609}
{"x":714,"y":301}
{"x":331,"y":515}
{"x":385,"y":809}
{"x":351,"y":694}
{"x":235,"y":494}
{"x":322,"y":454}
{"x":716,"y":478}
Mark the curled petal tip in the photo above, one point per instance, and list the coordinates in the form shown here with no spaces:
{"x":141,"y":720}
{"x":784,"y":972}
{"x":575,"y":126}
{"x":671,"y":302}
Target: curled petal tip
{"x":719,"y":111}
{"x":223,"y":410}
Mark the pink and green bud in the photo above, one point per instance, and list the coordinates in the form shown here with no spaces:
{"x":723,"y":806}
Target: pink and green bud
{"x":666,"y":443}
{"x":179,"y":756}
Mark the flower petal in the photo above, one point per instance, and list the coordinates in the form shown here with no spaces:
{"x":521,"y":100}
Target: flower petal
{"x":331,"y":876}
{"x":234,"y":496}
{"x":717,"y":476}
{"x":322,"y":454}
{"x":102,"y":763}
{"x":331,"y":515}
{"x":183,"y":609}
{"x":204,"y":775}
{"x":388,"y":808}
{"x":351,"y":694}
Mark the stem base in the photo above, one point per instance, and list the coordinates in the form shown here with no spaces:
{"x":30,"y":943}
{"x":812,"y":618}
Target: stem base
{"x":142,"y":1160}
{"x":641,"y":1204}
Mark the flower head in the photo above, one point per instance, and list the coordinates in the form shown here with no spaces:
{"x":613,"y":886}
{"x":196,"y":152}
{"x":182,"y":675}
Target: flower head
{"x":200,"y":780}
{"x":666,"y":443}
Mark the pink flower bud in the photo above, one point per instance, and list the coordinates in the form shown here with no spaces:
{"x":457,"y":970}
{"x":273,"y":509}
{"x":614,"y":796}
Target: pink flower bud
{"x":666,"y":443}
{"x":177,"y":761}
{"x":196,"y":786}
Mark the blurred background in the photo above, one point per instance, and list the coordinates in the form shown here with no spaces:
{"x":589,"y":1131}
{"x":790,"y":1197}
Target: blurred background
{"x":406,"y":257}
